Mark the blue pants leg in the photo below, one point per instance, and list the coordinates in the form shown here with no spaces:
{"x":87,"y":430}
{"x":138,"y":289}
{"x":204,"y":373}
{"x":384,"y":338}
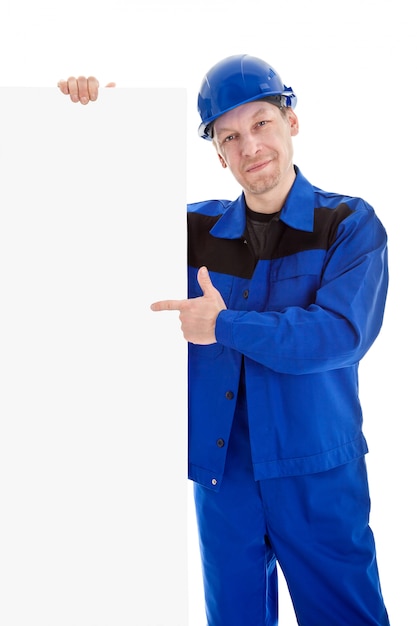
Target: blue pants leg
{"x":239,"y":566}
{"x":316,"y":526}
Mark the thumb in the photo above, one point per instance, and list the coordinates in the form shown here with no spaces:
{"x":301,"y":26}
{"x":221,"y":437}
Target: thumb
{"x":111,"y":85}
{"x":204,"y":280}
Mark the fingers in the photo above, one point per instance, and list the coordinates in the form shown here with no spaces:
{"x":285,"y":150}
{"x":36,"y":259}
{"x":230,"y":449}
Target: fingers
{"x":63,"y":86}
{"x":204,"y":280}
{"x":168,"y":305}
{"x":91,"y":91}
{"x":207,"y":288}
{"x":81,"y":89}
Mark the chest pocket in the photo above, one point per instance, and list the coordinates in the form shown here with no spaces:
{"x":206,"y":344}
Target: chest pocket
{"x":295,"y":280}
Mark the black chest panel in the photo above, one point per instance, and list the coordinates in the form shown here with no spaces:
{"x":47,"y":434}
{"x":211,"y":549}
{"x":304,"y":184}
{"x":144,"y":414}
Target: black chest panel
{"x":235,"y":257}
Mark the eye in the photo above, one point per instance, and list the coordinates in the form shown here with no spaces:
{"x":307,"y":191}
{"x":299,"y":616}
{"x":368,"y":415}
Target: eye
{"x":262,"y":123}
{"x":228,"y":138}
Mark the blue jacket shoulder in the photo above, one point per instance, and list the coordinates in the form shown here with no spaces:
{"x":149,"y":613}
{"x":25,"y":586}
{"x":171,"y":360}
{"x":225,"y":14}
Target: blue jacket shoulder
{"x":209,"y":207}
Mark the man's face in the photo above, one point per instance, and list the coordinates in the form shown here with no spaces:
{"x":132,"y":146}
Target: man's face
{"x":255,"y":141}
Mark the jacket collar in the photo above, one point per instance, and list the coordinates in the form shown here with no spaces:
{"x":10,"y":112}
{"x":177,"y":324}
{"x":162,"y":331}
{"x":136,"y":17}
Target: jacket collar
{"x":297,"y":212}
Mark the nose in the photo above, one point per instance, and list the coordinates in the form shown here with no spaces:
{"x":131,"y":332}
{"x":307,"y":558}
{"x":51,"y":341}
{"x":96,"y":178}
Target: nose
{"x":250,"y":144}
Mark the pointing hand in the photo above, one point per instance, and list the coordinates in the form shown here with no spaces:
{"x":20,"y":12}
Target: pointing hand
{"x":197,"y":315}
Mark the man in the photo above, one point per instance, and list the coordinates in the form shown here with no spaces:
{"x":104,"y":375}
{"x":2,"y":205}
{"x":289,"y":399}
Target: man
{"x":287,"y":288}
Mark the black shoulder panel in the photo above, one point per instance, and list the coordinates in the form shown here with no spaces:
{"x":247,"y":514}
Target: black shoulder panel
{"x":233,"y":256}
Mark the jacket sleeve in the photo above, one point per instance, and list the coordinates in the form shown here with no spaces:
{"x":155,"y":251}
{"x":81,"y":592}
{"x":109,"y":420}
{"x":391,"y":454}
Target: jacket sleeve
{"x":338,"y":328}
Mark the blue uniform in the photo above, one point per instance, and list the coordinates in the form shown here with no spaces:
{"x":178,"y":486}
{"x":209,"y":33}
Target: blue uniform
{"x":276,"y":447}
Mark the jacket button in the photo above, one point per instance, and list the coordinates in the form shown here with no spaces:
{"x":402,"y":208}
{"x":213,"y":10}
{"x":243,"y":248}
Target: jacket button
{"x":246,"y":294}
{"x":230,"y":395}
{"x":213,"y":481}
{"x":220,"y":443}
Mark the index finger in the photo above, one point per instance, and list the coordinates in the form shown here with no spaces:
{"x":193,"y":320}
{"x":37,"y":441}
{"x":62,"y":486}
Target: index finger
{"x":167,"y":305}
{"x":92,"y":86}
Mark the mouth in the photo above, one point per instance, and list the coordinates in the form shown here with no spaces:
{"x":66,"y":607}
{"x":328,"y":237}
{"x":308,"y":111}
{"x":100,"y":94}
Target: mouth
{"x":256,"y":167}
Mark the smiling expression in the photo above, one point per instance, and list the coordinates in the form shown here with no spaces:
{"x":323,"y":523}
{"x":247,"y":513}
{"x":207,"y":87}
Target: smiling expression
{"x":255,"y":141}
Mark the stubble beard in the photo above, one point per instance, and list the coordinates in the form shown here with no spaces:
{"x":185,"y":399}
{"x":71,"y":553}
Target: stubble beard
{"x":264,"y":184}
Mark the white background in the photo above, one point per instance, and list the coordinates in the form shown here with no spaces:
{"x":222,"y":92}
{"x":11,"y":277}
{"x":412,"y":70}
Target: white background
{"x":352,"y":67}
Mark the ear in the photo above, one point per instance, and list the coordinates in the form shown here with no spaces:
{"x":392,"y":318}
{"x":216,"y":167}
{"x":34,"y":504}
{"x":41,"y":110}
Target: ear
{"x":219,"y":156}
{"x":293,"y":122}
{"x":222,"y":161}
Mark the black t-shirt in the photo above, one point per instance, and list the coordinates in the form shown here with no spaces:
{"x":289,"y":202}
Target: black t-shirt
{"x":258,"y":229}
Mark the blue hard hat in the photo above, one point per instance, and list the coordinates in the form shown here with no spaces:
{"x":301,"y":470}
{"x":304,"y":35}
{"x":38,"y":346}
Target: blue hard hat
{"x":237,"y":80}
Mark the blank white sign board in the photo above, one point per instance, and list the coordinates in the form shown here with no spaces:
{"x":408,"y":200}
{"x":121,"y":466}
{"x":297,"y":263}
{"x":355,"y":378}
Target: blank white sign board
{"x":93,"y":488}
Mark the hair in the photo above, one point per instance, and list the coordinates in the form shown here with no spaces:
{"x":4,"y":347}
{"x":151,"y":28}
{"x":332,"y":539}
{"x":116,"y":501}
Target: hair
{"x":278,"y":100}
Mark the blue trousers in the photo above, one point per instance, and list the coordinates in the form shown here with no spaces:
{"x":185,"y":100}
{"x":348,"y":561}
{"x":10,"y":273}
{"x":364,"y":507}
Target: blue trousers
{"x":316,"y":527}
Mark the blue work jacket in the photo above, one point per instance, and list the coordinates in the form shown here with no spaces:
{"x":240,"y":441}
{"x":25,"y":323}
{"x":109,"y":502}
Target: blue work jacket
{"x":301,"y":319}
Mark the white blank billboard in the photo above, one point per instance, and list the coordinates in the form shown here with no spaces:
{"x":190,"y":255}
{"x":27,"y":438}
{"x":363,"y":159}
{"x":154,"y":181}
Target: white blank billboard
{"x":93,"y":489}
